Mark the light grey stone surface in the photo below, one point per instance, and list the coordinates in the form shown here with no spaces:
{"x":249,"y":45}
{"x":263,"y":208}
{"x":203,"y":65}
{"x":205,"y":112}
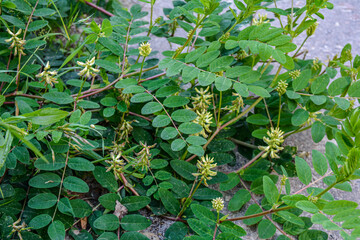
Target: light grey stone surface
{"x":341,"y":26}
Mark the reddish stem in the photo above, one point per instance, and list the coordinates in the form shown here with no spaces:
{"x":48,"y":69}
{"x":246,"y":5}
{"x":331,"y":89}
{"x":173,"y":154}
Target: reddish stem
{"x":100,"y":9}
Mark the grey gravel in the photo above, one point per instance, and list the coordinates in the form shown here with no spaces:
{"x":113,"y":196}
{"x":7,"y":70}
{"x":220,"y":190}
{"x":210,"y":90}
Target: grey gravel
{"x":341,"y":26}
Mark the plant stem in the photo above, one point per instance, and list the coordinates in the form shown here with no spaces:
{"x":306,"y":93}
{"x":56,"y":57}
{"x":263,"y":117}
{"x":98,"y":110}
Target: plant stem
{"x":189,"y":38}
{"x":302,"y":44}
{"x":188,"y":199}
{"x":245,"y":144}
{"x":218,"y":119}
{"x":151,"y":16}
{"x":258,"y":214}
{"x":278,"y":120}
{"x":62,"y":180}
{"x":100,"y":9}
{"x":141,"y":68}
{"x":250,"y":162}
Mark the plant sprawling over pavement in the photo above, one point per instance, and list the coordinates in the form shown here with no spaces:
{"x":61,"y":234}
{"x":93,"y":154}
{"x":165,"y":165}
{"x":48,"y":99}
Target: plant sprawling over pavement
{"x":94,"y":127}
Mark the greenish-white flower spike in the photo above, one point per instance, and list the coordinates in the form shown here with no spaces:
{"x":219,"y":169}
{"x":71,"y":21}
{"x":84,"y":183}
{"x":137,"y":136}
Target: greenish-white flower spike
{"x":204,"y":165}
{"x":88,"y":70}
{"x":281,"y":87}
{"x":144,"y":156}
{"x":311,"y":30}
{"x":16,"y":42}
{"x":283,"y":180}
{"x":274,"y":140}
{"x":260,"y":20}
{"x":145,"y":49}
{"x":204,"y":119}
{"x":116,"y":164}
{"x":49,"y":77}
{"x":202,"y":100}
{"x":218,"y":204}
{"x":295,"y":74}
{"x":125,"y":129}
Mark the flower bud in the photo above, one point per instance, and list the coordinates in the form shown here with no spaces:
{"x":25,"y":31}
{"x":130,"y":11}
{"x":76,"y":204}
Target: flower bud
{"x":281,"y":88}
{"x":218,"y":204}
{"x":295,"y":74}
{"x":145,"y":49}
{"x":311,"y":30}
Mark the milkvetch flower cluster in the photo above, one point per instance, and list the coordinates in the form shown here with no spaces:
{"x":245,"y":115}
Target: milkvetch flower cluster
{"x":274,"y":140}
{"x":260,"y":20}
{"x":144,"y":156}
{"x":281,"y":87}
{"x":145,"y":49}
{"x":116,"y":164}
{"x":202,"y":100}
{"x":204,"y":165}
{"x":204,"y":119}
{"x":88,"y":70}
{"x":124,"y":131}
{"x":49,"y":77}
{"x":16,"y":42}
{"x":218,"y":204}
{"x":295,"y":74}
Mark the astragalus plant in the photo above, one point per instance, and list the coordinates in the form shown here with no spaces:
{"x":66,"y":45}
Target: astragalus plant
{"x":100,"y":132}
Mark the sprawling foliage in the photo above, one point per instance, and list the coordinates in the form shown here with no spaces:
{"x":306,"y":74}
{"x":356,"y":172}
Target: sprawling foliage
{"x":95,"y":128}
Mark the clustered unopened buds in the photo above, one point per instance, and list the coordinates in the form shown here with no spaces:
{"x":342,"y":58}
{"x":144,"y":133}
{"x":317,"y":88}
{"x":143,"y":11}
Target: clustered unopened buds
{"x":88,"y":70}
{"x":48,"y":76}
{"x":274,"y":140}
{"x":311,"y":30}
{"x":295,"y":74}
{"x":281,"y":87}
{"x":145,"y":49}
{"x":125,"y":129}
{"x":218,"y":204}
{"x":16,"y":42}
{"x":144,"y":156}
{"x":204,"y":165}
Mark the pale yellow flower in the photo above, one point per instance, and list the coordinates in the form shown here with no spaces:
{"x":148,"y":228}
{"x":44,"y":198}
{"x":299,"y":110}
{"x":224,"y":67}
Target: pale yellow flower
{"x":16,"y":42}
{"x":295,"y":74}
{"x":145,"y":49}
{"x":274,"y":140}
{"x":202,"y":100}
{"x":49,"y":77}
{"x":204,"y":119}
{"x":116,"y":164}
{"x":218,"y":204}
{"x":88,"y":70}
{"x":204,"y":165}
{"x":260,"y":20}
{"x":281,"y":87}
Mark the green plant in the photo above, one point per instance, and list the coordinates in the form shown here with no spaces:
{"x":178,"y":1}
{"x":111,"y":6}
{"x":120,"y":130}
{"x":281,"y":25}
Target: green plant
{"x":94,"y":127}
